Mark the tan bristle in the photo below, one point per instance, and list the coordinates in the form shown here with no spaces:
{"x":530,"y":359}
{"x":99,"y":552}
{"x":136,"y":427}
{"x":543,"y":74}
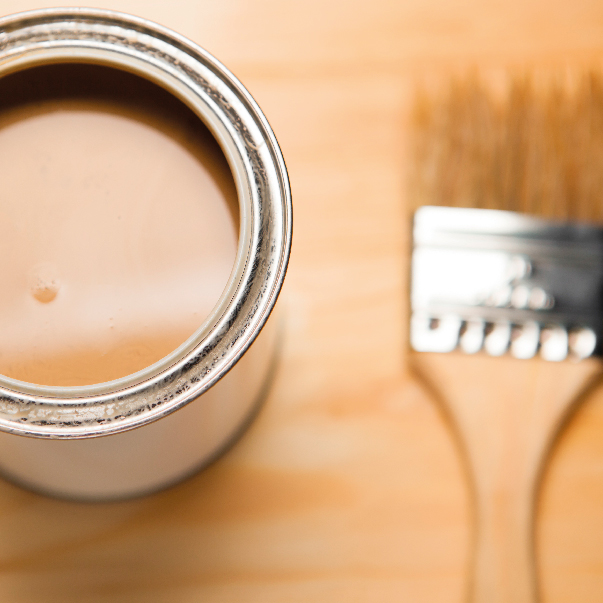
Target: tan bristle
{"x":536,"y":151}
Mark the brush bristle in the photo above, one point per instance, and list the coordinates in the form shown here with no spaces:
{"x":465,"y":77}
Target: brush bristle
{"x":536,"y":151}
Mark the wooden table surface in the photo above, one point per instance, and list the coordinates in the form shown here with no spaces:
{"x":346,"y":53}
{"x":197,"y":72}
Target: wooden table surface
{"x":349,"y":486}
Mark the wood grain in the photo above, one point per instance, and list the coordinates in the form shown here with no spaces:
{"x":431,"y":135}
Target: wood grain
{"x":350,"y":485}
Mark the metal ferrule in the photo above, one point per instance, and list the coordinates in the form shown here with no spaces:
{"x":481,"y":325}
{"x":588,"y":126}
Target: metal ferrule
{"x":501,"y":282}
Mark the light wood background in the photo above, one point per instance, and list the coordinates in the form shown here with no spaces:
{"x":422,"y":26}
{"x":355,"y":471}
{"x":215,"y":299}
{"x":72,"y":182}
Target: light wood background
{"x":349,"y":486}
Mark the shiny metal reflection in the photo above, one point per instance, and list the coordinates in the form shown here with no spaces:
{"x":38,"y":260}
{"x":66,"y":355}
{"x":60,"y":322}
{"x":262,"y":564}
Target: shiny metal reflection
{"x":503,"y":282}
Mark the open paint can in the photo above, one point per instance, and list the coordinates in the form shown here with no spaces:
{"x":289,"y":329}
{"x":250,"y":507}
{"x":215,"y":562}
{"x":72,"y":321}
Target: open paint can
{"x":153,"y":427}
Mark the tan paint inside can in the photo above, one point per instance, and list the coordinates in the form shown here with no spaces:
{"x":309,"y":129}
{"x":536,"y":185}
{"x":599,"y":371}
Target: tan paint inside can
{"x":119,"y":224}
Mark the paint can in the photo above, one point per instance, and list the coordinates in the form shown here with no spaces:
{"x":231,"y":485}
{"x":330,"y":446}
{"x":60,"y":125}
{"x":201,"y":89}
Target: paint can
{"x":153,"y":428}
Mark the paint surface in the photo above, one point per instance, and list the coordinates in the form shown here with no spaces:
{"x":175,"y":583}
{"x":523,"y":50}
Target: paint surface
{"x":119,"y":224}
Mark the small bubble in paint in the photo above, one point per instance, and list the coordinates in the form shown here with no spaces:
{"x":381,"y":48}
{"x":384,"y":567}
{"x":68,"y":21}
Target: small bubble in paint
{"x":44,"y":283}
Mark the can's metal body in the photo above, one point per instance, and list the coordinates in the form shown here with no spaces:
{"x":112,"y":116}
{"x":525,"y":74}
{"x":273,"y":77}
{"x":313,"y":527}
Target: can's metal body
{"x":152,"y":428}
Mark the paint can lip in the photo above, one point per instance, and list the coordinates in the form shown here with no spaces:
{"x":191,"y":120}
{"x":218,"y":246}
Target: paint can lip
{"x":78,"y":35}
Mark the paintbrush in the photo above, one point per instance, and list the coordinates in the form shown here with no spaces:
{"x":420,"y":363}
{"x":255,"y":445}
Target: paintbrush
{"x":506,"y":297}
